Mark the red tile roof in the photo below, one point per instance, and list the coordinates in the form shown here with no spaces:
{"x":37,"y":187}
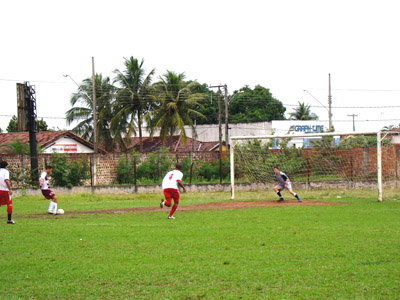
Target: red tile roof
{"x":178,"y":144}
{"x":44,"y":138}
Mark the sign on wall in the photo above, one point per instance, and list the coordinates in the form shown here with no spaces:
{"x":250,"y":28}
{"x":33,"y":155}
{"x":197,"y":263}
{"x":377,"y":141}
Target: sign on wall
{"x":306,"y":128}
{"x":64,"y":148}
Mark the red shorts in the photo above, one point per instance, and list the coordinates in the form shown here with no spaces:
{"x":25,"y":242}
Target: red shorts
{"x":171,"y":193}
{"x":48,"y":194}
{"x":5,"y":198}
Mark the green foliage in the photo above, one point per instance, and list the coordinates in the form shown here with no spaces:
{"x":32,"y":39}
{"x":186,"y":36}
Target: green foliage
{"x":18,"y":147}
{"x":210,"y":171}
{"x":125,"y":168}
{"x":13,"y":125}
{"x":303,"y":112}
{"x":68,"y":174}
{"x":132,"y":98}
{"x":361,"y":141}
{"x":41,"y":125}
{"x":254,"y":160}
{"x":185,"y":163}
{"x":209,"y":105}
{"x":176,"y":105}
{"x":105,"y":93}
{"x":125,"y":171}
{"x":255,"y":105}
{"x":156,"y":165}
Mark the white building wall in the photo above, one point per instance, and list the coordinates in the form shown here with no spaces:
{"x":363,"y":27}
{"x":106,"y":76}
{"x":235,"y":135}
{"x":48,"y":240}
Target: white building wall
{"x":209,"y":132}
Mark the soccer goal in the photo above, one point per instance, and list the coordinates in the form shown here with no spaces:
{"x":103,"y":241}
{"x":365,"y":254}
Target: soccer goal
{"x":315,"y":160}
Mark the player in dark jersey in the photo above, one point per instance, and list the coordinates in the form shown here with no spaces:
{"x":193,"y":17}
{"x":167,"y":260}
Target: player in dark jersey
{"x":283,"y":183}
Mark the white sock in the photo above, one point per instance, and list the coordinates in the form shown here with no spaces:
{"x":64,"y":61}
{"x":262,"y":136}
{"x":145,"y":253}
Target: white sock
{"x":51,"y":206}
{"x":55,"y":207}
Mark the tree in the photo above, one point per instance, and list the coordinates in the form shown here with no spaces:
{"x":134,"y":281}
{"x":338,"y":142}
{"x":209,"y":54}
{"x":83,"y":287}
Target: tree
{"x":16,"y":146}
{"x":176,"y":105}
{"x":255,"y":105}
{"x":13,"y":125}
{"x":133,"y":98}
{"x":303,"y":112}
{"x":209,"y":105}
{"x":41,"y":125}
{"x":68,"y":174}
{"x":105,"y":94}
{"x":390,"y":127}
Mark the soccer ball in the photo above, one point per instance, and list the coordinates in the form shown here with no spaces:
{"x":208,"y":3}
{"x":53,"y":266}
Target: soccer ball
{"x":60,"y":211}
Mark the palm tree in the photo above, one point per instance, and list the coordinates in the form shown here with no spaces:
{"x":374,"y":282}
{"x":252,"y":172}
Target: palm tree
{"x":303,"y":112}
{"x":390,"y":127}
{"x":105,"y":94}
{"x":176,"y":104}
{"x":133,"y":98}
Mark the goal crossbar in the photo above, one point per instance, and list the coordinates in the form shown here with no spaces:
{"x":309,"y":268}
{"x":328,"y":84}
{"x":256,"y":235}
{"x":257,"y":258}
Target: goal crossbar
{"x":234,"y":140}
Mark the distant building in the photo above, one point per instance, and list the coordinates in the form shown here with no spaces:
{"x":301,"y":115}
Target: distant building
{"x":209,"y":132}
{"x":50,"y":142}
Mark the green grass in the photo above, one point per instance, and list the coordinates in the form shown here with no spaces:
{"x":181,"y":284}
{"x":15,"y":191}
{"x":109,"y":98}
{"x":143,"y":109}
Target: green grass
{"x":288,"y":252}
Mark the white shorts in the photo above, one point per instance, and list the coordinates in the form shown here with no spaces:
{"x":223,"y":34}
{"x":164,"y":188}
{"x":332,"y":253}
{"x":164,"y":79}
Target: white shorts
{"x":282,"y":186}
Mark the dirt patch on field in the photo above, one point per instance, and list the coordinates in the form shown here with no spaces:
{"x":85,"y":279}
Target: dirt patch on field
{"x":212,"y":206}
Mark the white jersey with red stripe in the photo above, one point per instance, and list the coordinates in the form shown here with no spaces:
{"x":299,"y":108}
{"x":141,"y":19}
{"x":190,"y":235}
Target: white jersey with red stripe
{"x":171,"y":178}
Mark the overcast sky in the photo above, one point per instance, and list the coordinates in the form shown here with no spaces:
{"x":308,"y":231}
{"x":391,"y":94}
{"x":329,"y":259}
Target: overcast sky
{"x":287,"y":46}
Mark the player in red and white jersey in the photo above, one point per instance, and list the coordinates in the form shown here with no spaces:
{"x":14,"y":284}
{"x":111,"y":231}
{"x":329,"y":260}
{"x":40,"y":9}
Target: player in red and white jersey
{"x":170,"y":184}
{"x":5,"y":190}
{"x":46,"y":191}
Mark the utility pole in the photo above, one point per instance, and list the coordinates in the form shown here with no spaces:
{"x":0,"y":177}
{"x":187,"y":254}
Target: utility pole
{"x":22,"y":108}
{"x":94,"y":108}
{"x":226,"y":116}
{"x":94,"y":112}
{"x":330,"y":104}
{"x":220,"y":134}
{"x":219,"y":130}
{"x":30,"y":104}
{"x":354,"y":124}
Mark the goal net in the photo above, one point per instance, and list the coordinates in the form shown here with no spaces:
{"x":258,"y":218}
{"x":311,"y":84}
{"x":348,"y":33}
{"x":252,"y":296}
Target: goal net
{"x":325,"y":160}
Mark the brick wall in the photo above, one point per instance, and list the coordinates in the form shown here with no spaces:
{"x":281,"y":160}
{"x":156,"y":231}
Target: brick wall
{"x":363,"y":160}
{"x":106,"y":164}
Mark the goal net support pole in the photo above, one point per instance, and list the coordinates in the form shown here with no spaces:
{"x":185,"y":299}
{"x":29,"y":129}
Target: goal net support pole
{"x":379,"y":165}
{"x":235,"y":141}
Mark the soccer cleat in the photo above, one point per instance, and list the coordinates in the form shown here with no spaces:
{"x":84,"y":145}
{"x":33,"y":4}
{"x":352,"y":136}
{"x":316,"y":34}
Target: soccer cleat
{"x":171,"y":217}
{"x":162,"y":203}
{"x":299,"y":200}
{"x":10,"y":222}
{"x":281,"y":200}
{"x":51,"y":212}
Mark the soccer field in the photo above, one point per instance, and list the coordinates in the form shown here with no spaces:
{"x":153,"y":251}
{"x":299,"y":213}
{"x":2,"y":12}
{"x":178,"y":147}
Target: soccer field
{"x":349,"y":251}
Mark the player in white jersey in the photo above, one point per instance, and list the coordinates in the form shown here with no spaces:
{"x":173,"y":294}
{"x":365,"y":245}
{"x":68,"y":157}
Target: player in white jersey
{"x":46,"y":191}
{"x":283,"y":183}
{"x":170,"y":184}
{"x":5,"y":190}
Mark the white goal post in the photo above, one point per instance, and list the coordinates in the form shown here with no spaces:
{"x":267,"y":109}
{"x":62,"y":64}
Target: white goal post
{"x":258,"y":160}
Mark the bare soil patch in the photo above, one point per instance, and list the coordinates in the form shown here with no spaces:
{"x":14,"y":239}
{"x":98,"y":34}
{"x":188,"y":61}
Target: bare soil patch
{"x":212,"y":206}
